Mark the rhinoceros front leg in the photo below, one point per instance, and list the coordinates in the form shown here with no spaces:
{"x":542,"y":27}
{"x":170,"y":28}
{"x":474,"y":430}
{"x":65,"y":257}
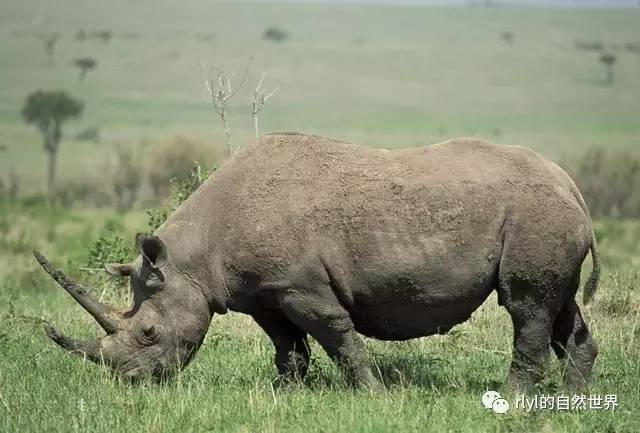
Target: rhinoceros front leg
{"x":290,"y":342}
{"x":322,"y":316}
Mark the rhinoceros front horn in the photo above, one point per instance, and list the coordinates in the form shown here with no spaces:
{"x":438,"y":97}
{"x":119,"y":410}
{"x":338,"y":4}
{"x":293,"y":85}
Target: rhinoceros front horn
{"x":107,"y":317}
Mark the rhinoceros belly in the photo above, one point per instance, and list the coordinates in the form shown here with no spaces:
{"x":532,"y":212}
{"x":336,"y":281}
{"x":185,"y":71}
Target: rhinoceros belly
{"x":403,"y":320}
{"x":422,"y":288}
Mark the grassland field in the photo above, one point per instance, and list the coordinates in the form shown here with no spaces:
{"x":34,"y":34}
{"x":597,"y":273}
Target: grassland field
{"x":378,"y":75}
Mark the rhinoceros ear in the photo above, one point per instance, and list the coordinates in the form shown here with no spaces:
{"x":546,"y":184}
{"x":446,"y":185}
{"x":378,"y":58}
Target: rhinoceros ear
{"x":119,"y":269}
{"x":152,"y":249}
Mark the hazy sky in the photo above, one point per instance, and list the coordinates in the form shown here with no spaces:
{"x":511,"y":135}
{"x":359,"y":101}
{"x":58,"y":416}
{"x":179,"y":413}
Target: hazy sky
{"x":546,"y":3}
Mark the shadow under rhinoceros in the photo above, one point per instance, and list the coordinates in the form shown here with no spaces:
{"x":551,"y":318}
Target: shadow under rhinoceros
{"x":426,"y":371}
{"x":402,"y":370}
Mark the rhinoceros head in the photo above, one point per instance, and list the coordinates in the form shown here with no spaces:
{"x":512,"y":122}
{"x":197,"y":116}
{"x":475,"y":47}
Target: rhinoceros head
{"x":159,"y":334}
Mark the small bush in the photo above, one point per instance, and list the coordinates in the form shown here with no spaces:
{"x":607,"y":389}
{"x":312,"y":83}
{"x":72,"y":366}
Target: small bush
{"x":632,"y":47}
{"x":36,"y":200}
{"x":608,"y":181}
{"x":91,"y":134}
{"x":105,"y":35}
{"x":111,"y":247}
{"x":127,"y":178}
{"x":182,"y":191}
{"x":92,"y":192}
{"x":589,"y":45}
{"x":174,"y":159}
{"x":507,"y":37}
{"x":275,"y":34}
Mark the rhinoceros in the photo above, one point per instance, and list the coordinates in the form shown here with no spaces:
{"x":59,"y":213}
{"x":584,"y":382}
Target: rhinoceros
{"x":311,"y":236}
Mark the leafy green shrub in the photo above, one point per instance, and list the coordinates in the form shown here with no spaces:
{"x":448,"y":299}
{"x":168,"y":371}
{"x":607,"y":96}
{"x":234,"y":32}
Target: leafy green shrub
{"x":182,"y":190}
{"x":111,"y":247}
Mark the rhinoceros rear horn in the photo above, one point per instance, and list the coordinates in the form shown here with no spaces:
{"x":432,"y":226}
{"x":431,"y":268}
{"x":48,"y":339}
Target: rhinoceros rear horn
{"x":88,"y":349}
{"x":107,"y":317}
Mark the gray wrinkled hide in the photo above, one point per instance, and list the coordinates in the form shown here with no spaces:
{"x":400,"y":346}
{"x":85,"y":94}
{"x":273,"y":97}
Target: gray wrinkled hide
{"x":310,"y":235}
{"x":315,"y":237}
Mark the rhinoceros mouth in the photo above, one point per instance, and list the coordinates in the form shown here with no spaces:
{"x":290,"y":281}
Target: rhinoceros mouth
{"x":110,"y":319}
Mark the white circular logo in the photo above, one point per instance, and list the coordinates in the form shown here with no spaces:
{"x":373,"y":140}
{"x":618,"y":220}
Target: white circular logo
{"x":488,"y":398}
{"x":494,"y":401}
{"x":500,"y":405}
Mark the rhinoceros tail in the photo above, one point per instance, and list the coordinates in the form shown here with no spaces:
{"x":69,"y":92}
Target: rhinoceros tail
{"x":592,"y":283}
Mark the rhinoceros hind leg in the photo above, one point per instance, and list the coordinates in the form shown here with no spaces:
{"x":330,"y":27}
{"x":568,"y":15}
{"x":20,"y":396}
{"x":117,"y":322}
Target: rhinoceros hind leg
{"x":571,"y":336}
{"x":292,"y":349}
{"x":533,"y":306}
{"x":539,"y":273}
{"x":531,"y":349}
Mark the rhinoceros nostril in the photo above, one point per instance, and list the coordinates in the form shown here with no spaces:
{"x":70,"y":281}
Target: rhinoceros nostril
{"x":149,"y":331}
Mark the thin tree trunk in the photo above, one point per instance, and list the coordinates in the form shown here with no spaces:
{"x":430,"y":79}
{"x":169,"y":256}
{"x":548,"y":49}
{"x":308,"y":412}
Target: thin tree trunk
{"x":227,"y":133}
{"x":609,"y":74}
{"x":52,"y":137}
{"x":51,"y":188}
{"x":255,"y":124}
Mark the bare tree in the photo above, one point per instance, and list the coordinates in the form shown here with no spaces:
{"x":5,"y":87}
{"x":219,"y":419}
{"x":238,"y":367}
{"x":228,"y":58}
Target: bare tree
{"x":221,"y":90}
{"x":260,"y":98}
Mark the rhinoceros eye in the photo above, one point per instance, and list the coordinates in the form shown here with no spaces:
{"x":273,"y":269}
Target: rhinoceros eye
{"x":154,"y":281}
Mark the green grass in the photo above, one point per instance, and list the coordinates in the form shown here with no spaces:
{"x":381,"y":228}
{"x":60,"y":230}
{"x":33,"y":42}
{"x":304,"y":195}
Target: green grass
{"x":434,"y":384}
